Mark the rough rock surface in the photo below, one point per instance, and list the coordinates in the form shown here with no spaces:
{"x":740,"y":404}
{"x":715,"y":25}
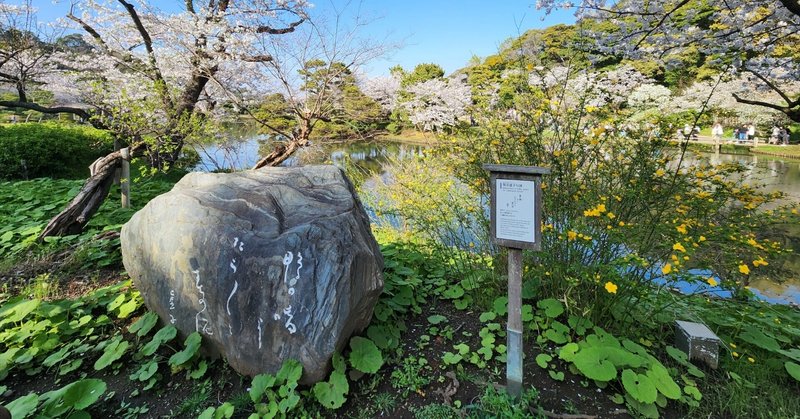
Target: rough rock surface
{"x":267,"y":265}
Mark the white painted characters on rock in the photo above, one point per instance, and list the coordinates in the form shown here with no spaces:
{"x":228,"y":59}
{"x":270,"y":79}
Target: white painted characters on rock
{"x":172,"y":319}
{"x":202,"y":324}
{"x":290,"y":283}
{"x":238,"y":245}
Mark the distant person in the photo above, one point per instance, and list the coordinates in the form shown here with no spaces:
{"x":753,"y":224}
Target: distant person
{"x":687,"y":131}
{"x":776,"y":136}
{"x":785,"y":135}
{"x":751,"y":132}
{"x":716,"y":132}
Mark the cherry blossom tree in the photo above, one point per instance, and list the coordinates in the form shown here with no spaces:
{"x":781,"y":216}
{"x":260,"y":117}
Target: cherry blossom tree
{"x":155,"y":76}
{"x":25,"y":46}
{"x":437,"y":103}
{"x":756,"y":37}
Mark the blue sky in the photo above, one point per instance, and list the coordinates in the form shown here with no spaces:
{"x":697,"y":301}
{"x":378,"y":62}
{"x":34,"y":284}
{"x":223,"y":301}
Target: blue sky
{"x":446,"y":32}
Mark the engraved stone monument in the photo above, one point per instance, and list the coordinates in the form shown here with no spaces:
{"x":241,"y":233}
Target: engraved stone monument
{"x":267,"y":265}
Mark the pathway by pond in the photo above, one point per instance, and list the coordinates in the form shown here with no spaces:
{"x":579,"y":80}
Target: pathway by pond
{"x":372,"y":157}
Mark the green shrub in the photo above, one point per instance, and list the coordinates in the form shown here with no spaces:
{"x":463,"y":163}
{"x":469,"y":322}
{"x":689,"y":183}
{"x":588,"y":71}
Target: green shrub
{"x":33,"y":150}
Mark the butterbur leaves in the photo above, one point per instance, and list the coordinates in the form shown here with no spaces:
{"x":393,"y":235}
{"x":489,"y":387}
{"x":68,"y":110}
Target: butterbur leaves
{"x":145,"y":323}
{"x":639,"y":386}
{"x":112,"y":352}
{"x":23,"y":406}
{"x":552,"y":307}
{"x":793,"y":369}
{"x":594,"y":364}
{"x":331,"y":393}
{"x":166,"y":334}
{"x":365,"y":356}
{"x":192,"y":344}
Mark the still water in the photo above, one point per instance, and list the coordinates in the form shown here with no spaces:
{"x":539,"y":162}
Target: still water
{"x":372,"y":157}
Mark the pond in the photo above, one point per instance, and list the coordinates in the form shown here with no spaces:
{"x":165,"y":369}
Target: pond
{"x":371,"y":157}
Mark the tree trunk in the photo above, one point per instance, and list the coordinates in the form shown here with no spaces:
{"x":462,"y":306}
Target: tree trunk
{"x":281,"y":153}
{"x":77,"y":214}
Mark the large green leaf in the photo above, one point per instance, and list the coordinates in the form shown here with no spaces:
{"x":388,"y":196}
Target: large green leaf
{"x":664,"y":382}
{"x":793,"y":369}
{"x":365,"y":356}
{"x":260,"y":383}
{"x":82,"y":394}
{"x":552,"y":307}
{"x":639,"y":386}
{"x":760,"y":339}
{"x":112,"y":352}
{"x":290,"y":372}
{"x":166,"y":334}
{"x":192,"y":345}
{"x":23,"y":406}
{"x":331,"y":393}
{"x":594,"y":364}
{"x":145,"y":323}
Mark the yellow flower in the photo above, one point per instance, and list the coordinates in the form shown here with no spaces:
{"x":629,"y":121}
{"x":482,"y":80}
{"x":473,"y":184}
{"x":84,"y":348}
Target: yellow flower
{"x":760,"y":262}
{"x":733,"y":345}
{"x":744,"y":269}
{"x":750,"y":358}
{"x":611,"y":287}
{"x":622,"y":223}
{"x":666,"y":269}
{"x":679,"y":247}
{"x":574,"y":163}
{"x":712,"y":282}
{"x":681,"y":228}
{"x":571,"y":235}
{"x":702,"y":239}
{"x":736,"y":354}
{"x":611,"y":215}
{"x":660,"y":172}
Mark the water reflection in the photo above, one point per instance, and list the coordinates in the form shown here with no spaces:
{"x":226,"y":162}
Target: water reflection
{"x":370,"y":159}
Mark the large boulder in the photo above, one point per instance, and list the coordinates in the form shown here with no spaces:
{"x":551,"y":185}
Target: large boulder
{"x":267,"y":265}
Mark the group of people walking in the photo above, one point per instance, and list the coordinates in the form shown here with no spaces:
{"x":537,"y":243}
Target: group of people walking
{"x":780,"y":135}
{"x":747,"y":133}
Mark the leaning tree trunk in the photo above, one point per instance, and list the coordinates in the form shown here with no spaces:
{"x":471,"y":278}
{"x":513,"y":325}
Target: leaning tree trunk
{"x":281,"y":153}
{"x":74,"y":218}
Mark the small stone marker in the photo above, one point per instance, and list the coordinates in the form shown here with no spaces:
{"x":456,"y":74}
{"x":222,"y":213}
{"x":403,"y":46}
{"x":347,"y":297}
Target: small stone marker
{"x":698,"y":341}
{"x":516,"y":220}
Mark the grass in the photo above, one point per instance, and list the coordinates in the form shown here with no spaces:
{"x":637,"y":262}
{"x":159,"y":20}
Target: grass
{"x":790,"y":151}
{"x":745,"y":390}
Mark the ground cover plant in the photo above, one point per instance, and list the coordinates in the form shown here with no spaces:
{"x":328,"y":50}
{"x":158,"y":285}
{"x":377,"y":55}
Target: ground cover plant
{"x":33,"y":150}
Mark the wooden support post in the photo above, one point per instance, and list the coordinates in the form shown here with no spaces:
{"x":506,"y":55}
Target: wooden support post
{"x":514,"y":325}
{"x":125,"y":178}
{"x":117,"y":146}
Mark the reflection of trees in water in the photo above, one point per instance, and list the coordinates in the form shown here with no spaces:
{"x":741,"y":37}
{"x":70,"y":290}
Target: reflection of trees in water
{"x":775,"y":174}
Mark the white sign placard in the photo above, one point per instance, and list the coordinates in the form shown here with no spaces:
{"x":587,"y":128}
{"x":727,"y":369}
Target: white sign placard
{"x":515,"y":215}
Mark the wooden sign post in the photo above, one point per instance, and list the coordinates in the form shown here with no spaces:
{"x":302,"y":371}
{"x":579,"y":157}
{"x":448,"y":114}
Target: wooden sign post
{"x":516,"y":220}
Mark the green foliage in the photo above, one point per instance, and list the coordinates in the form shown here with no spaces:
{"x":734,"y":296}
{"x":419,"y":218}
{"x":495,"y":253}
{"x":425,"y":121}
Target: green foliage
{"x":192,"y":345}
{"x":331,"y":393}
{"x":422,"y":73}
{"x":498,"y":404}
{"x":411,"y":375}
{"x":364,"y":355}
{"x":33,"y":150}
{"x":27,"y":206}
{"x":70,"y":400}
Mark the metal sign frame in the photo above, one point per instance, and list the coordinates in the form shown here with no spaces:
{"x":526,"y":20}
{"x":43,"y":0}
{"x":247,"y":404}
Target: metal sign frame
{"x":514,"y":351}
{"x":523,"y":173}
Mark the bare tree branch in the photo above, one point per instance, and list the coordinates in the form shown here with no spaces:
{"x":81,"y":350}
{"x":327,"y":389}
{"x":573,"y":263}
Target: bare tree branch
{"x":280,"y":31}
{"x":43,"y":109}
